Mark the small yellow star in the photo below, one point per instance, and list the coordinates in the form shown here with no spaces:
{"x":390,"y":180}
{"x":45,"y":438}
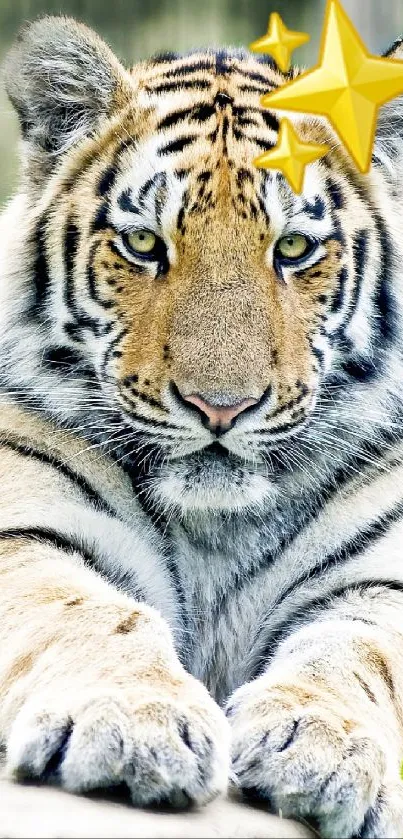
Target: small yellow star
{"x":348,"y":86}
{"x":279,"y":42}
{"x":290,"y":156}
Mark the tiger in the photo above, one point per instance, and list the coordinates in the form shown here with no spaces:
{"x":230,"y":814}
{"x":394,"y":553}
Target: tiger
{"x":201,"y":441}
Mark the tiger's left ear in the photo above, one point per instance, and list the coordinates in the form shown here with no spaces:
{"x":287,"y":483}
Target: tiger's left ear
{"x":389,"y":135}
{"x":63,"y":80}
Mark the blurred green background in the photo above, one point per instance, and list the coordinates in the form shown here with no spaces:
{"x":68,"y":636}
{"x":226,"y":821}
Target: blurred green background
{"x":137,"y":28}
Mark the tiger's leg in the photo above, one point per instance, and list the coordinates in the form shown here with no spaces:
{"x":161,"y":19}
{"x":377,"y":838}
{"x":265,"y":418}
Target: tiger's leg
{"x":92,"y":693}
{"x":319,"y":733}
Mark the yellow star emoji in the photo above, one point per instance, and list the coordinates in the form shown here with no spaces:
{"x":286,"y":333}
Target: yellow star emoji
{"x":279,"y":42}
{"x":290,"y":156}
{"x":348,"y":86}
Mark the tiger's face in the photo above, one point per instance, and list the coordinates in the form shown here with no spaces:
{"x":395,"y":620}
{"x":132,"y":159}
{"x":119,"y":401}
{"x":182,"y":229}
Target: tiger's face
{"x":216,"y":308}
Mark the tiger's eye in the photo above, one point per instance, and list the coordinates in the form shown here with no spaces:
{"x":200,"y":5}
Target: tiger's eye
{"x":293,"y":246}
{"x":142,"y":241}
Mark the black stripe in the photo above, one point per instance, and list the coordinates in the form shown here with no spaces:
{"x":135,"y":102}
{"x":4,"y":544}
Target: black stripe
{"x":384,"y":303}
{"x":109,"y":352}
{"x":203,"y":112}
{"x":336,"y":194}
{"x":181,"y":221}
{"x":393,"y":47}
{"x":244,"y":111}
{"x":82,"y":320}
{"x":164,"y":57}
{"x":304,"y":517}
{"x":359,"y":544}
{"x":242,"y":176}
{"x":315,"y":209}
{"x":125,"y":202}
{"x":71,"y":239}
{"x":148,"y":400}
{"x":204,"y":176}
{"x":392,"y":585}
{"x":361,"y":369}
{"x":155,"y":424}
{"x":176,"y":145}
{"x":221,"y":62}
{"x":91,"y":494}
{"x":269,"y":62}
{"x":69,"y":544}
{"x":136,"y":267}
{"x":383,"y":298}
{"x":181,"y":173}
{"x":71,"y":365}
{"x":147,"y":187}
{"x":251,"y":88}
{"x":188,"y":69}
{"x":247,"y":122}
{"x":310,"y":272}
{"x":101,"y":221}
{"x":174,"y":118}
{"x":283,"y":429}
{"x":326,"y":601}
{"x":107,"y":180}
{"x":92,"y":281}
{"x":384,"y":326}
{"x":41,"y":275}
{"x":260,"y":142}
{"x":254,"y":77}
{"x":360,"y":255}
{"x":93,"y":289}
{"x":181,"y":84}
{"x":160,"y":196}
{"x":339,"y":295}
{"x":319,"y":354}
{"x":61,"y":358}
{"x":136,"y":470}
{"x":270,"y":120}
{"x":222,"y":100}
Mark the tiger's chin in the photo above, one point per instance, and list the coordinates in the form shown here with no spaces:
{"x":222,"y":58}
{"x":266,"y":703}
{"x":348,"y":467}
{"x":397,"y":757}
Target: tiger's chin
{"x":205,"y":483}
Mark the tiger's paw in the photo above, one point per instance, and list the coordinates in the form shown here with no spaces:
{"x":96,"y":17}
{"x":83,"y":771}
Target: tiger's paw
{"x":170,"y":749}
{"x":309,"y":759}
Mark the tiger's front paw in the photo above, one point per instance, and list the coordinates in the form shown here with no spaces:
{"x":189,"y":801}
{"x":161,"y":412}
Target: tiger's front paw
{"x":306,"y":755}
{"x":170,"y":748}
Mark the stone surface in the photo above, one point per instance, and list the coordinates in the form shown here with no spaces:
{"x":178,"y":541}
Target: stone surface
{"x":30,"y":812}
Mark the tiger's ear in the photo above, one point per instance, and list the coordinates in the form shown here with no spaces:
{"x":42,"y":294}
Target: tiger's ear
{"x":395,"y":50}
{"x":389,"y":133}
{"x":62,"y":80}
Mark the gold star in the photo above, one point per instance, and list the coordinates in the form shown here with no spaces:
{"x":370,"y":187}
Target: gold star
{"x":290,"y":156}
{"x":348,"y":86}
{"x":279,"y":42}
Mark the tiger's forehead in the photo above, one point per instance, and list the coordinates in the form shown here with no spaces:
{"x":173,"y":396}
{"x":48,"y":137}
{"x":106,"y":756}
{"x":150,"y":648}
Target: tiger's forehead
{"x":206,"y":128}
{"x":235,"y":72}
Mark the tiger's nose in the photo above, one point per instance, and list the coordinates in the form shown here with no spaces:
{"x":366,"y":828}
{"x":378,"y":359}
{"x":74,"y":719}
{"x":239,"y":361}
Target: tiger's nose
{"x":217,"y":418}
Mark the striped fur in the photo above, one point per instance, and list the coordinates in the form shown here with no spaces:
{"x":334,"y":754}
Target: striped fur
{"x":146,"y":558}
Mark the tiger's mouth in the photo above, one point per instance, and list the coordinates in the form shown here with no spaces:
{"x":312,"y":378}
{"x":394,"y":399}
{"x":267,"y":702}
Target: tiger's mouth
{"x":214,"y":459}
{"x":212,"y":478}
{"x":217,"y":451}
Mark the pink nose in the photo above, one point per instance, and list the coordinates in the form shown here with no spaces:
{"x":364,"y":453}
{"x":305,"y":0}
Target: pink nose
{"x":220,"y":417}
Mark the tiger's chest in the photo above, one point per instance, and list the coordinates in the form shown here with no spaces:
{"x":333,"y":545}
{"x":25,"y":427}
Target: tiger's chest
{"x":228,"y":592}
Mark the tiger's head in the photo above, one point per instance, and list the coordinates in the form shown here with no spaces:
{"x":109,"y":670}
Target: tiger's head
{"x":180,"y":300}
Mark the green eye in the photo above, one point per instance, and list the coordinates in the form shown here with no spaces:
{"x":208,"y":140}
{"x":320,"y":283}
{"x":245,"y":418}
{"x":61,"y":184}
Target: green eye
{"x":293,"y":246}
{"x":142,"y":241}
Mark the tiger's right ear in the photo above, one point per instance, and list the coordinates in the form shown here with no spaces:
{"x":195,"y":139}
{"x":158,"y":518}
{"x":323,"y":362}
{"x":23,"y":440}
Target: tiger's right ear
{"x":63,"y":80}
